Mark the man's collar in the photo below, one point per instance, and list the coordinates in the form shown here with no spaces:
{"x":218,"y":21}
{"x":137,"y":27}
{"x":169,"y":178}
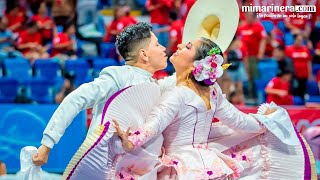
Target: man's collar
{"x":141,"y":71}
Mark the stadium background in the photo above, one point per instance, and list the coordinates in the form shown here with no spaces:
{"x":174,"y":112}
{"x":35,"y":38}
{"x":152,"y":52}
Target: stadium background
{"x":49,"y":48}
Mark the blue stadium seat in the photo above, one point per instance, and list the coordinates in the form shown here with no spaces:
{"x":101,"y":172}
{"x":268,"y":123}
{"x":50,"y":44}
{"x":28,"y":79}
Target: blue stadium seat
{"x":101,"y":24}
{"x":268,"y":68}
{"x":282,"y":26}
{"x":297,"y":100}
{"x":288,"y":39}
{"x":48,"y":69}
{"x":59,"y":28}
{"x":41,"y":91}
{"x":315,"y":68}
{"x":260,"y":86}
{"x":99,"y":64}
{"x":312,"y":88}
{"x":8,"y":90}
{"x":79,"y":68}
{"x":268,"y":25}
{"x":140,"y":3}
{"x":108,"y":50}
{"x":315,"y":99}
{"x":18,"y":68}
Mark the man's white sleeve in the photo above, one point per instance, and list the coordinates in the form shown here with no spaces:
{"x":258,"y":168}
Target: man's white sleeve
{"x":84,"y":97}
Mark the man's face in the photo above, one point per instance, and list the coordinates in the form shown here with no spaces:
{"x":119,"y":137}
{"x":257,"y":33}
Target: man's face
{"x":157,"y":57}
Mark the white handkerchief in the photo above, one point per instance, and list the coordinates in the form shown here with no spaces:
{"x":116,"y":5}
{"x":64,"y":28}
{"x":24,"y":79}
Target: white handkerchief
{"x":29,"y":171}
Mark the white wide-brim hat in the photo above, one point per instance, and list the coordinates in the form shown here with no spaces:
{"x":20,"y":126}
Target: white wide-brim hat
{"x":213,"y":19}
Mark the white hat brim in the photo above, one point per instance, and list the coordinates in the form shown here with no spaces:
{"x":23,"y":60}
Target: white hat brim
{"x":228,"y":13}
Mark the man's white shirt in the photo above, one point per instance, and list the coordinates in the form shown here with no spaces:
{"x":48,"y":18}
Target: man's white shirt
{"x":95,"y":94}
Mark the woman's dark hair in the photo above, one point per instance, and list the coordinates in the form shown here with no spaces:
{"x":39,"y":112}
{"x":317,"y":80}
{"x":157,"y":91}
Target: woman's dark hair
{"x":206,"y":45}
{"x":201,"y":53}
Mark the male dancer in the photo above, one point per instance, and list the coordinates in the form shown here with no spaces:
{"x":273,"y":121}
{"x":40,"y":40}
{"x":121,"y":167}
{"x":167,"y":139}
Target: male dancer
{"x":139,"y":46}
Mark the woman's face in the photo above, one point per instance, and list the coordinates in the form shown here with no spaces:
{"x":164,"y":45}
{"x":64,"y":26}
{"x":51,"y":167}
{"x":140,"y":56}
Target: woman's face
{"x":183,"y":58}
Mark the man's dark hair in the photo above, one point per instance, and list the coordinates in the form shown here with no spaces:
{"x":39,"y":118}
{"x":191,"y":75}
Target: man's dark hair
{"x":131,"y":37}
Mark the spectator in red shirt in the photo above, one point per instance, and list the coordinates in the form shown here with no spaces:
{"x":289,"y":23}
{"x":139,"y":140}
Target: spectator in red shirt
{"x":30,"y":43}
{"x":271,"y":43}
{"x":15,"y":17}
{"x":113,"y":29}
{"x":45,"y":23}
{"x":7,"y":43}
{"x":253,"y":35}
{"x":301,"y":57}
{"x":63,"y":44}
{"x":175,"y":32}
{"x":297,"y":24}
{"x":159,"y":17}
{"x":127,"y":19}
{"x":278,"y":89}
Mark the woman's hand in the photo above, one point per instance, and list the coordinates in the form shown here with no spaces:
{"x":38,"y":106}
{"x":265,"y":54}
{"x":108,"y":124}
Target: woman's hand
{"x":126,"y":144}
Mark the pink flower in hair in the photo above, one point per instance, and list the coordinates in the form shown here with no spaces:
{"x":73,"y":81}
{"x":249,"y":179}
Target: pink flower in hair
{"x":214,"y":65}
{"x":198,"y":69}
{"x":211,"y":59}
{"x":209,"y":68}
{"x":212,"y":75}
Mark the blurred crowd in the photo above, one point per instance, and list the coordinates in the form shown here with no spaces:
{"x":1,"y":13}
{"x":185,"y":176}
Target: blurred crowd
{"x":272,"y":59}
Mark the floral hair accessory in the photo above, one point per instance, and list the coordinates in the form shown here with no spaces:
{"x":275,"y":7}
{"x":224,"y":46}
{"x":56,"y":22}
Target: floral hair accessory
{"x":210,"y":68}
